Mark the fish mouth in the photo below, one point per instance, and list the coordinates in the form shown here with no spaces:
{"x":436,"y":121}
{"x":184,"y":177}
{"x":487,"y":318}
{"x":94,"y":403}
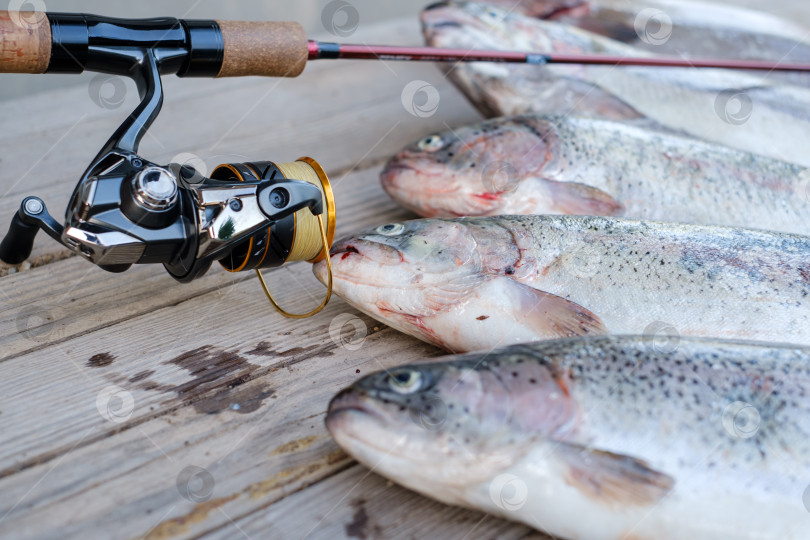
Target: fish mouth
{"x":350,"y":403}
{"x":344,"y":251}
{"x":340,"y":251}
{"x":348,"y":247}
{"x":393,"y":169}
{"x":360,"y":248}
{"x":418,"y":177}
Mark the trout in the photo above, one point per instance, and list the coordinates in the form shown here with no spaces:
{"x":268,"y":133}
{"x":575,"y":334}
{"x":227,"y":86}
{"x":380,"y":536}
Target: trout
{"x":682,"y":28}
{"x":602,"y":438}
{"x":729,"y":107}
{"x":530,"y":164}
{"x":478,"y":283}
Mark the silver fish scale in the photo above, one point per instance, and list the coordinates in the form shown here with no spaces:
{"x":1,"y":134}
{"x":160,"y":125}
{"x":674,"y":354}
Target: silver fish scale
{"x":694,"y":180}
{"x":632,"y":273}
{"x":676,"y":404}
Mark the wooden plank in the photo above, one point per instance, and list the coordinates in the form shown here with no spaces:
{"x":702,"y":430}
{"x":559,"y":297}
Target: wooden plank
{"x":259,"y":439}
{"x":344,"y":114}
{"x":356,"y":503}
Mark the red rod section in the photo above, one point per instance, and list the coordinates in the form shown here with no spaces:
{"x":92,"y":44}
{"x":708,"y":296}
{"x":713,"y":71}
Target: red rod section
{"x":319,"y":50}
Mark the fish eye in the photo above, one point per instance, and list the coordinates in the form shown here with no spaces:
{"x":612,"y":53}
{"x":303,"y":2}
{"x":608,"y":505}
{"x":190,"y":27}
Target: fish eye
{"x":405,"y":381}
{"x":391,"y":229}
{"x":431,"y":143}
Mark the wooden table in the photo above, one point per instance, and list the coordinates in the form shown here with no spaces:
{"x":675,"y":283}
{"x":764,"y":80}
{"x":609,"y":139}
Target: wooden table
{"x":226,"y":399}
{"x":220,"y":400}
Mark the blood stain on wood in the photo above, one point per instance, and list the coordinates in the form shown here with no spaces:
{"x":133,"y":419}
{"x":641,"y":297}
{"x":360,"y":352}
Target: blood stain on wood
{"x":221,"y":380}
{"x":245,"y":400}
{"x":142,"y":375}
{"x":295,"y":351}
{"x":359,"y":527}
{"x":218,"y":372}
{"x":100,"y":360}
{"x":262,"y":349}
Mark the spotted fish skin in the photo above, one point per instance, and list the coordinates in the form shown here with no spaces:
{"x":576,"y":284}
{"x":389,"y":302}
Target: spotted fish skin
{"x":729,"y":107}
{"x":692,"y":30}
{"x":648,"y":438}
{"x":478,"y":283}
{"x":535,"y":164}
{"x":546,"y":9}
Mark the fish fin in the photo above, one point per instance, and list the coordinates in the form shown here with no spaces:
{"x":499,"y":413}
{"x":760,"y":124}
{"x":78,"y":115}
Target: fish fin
{"x":554,"y":316}
{"x":574,"y":198}
{"x":613,"y":479}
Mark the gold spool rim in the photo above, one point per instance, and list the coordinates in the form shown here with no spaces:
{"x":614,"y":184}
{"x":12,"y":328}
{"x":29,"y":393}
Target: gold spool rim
{"x":330,"y":206}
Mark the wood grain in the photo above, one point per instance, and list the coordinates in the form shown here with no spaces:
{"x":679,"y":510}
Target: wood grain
{"x":25,"y":42}
{"x":357,"y":503}
{"x":269,"y":49}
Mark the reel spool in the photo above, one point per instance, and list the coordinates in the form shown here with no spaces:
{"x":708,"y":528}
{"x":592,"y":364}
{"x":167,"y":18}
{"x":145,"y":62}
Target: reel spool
{"x":301,"y":236}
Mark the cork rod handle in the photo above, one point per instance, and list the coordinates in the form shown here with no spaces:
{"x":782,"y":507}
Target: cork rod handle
{"x":25,"y":42}
{"x":271,"y":49}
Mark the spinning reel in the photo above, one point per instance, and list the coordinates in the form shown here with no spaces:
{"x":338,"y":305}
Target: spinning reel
{"x":128,"y":210}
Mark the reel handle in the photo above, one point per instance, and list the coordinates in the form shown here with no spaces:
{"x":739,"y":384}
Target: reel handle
{"x":30,"y":218}
{"x":18,"y":242}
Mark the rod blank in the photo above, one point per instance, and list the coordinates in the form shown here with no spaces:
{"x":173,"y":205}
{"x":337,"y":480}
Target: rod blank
{"x":319,"y":50}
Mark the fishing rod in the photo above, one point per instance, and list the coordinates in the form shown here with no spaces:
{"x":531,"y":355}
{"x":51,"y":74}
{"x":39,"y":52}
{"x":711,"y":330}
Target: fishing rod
{"x":320,"y":50}
{"x":128,"y":210}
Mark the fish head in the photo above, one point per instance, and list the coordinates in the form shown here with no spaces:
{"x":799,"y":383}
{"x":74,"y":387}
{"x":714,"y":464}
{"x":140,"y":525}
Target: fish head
{"x":544,"y":9}
{"x":396,"y":268}
{"x":480,"y":26}
{"x":469,"y":171}
{"x":395,"y":251}
{"x":447,"y":425}
{"x":403,"y":272}
{"x":551,"y":9}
